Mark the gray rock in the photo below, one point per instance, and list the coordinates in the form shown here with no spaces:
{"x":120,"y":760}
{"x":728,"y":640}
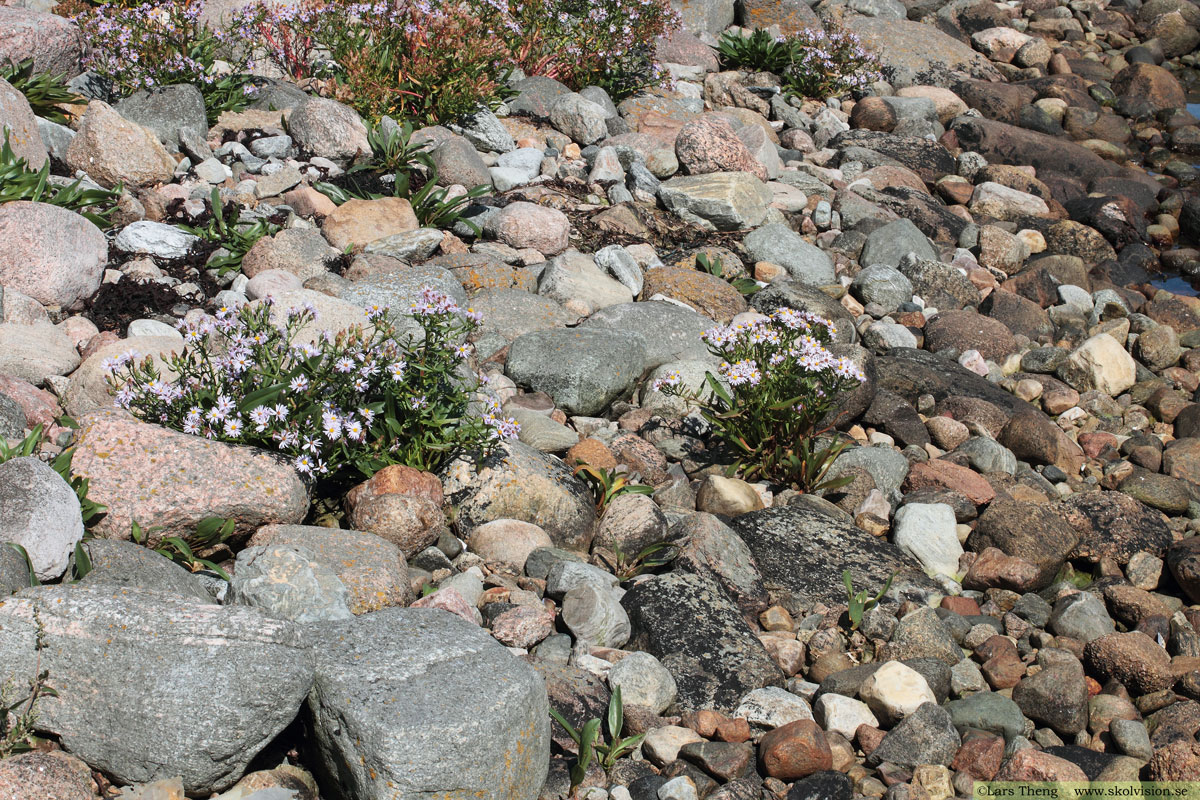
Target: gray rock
{"x":884,"y":335}
{"x":565,"y":575}
{"x":631,"y":523}
{"x":670,"y":332}
{"x":600,"y":97}
{"x":14,"y":572}
{"x":987,"y":455}
{"x":927,"y":736}
{"x":131,"y":661}
{"x":536,"y":96}
{"x":1056,"y":697}
{"x":415,"y":245}
{"x":594,"y":616}
{"x":643,"y":681}
{"x":698,"y":634}
{"x":486,"y":132}
{"x":526,"y":160}
{"x":987,"y":711}
{"x":887,"y":467}
{"x":120,"y":563}
{"x":892,"y":242}
{"x":583,"y":369}
{"x":1131,"y":737}
{"x":779,"y":244}
{"x":272,"y":146}
{"x":514,"y":312}
{"x":57,"y":138}
{"x":158,"y":239}
{"x":541,"y":432}
{"x":579,"y":118}
{"x":883,"y":285}
{"x":706,"y":16}
{"x":35,"y":353}
{"x":921,"y":634}
{"x":12,"y":417}
{"x":928,"y":532}
{"x":802,"y":297}
{"x":17,"y":118}
{"x":1081,"y":616}
{"x":288,"y":582}
{"x":40,"y":512}
{"x":617,"y":262}
{"x":911,"y":53}
{"x":458,"y":161}
{"x":165,"y":111}
{"x":399,"y":288}
{"x":723,"y":201}
{"x":940,"y":285}
{"x":327,"y":129}
{"x":712,"y":548}
{"x":407,"y":703}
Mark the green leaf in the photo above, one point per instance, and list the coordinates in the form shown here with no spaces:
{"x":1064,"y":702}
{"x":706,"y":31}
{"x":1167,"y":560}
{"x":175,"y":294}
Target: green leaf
{"x":33,"y":578}
{"x":566,"y":726}
{"x":83,"y":562}
{"x":717,"y":388}
{"x":616,"y":714}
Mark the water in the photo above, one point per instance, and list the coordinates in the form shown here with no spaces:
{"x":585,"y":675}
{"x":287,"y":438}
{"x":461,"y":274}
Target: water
{"x":1176,"y":284}
{"x":1194,"y":109}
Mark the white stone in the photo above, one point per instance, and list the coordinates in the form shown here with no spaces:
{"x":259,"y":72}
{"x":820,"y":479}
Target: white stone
{"x":1100,"y":363}
{"x":842,"y":714}
{"x":644,"y":681}
{"x":661,"y":745}
{"x":155,"y":239}
{"x":772,"y":707}
{"x":926,"y":531}
{"x":894,"y":691}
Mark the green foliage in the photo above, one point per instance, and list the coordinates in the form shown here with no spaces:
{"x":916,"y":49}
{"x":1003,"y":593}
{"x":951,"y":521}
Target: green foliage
{"x":591,"y":741}
{"x":607,"y":484}
{"x":211,"y":533}
{"x":713,"y":266}
{"x":860,"y":603}
{"x":17,"y":716}
{"x":625,"y":566}
{"x":392,"y":151}
{"x":19,"y":182}
{"x":809,"y":466}
{"x":776,"y":381}
{"x":811,"y":63}
{"x":44,"y":91}
{"x":225,"y":230}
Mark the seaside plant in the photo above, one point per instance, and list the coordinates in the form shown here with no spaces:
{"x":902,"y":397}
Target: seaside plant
{"x":776,"y":381}
{"x":146,"y":46}
{"x":340,"y":407}
{"x":813,"y":63}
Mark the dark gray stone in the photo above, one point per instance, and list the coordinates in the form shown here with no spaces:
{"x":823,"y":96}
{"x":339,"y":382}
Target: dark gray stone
{"x":120,"y":563}
{"x":926,"y":736}
{"x":165,"y":111}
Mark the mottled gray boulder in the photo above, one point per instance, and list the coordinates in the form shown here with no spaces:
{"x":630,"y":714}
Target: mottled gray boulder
{"x":723,"y":201}
{"x":326,"y":128}
{"x":420,"y":703}
{"x":126,"y":564}
{"x":583,"y":369}
{"x":16,"y":117}
{"x":689,"y":624}
{"x":779,"y":244}
{"x":883,"y":285}
{"x":195,"y":690}
{"x":911,"y":53}
{"x":288,"y":582}
{"x":536,"y":95}
{"x":891,"y":243}
{"x":14,"y":572}
{"x":40,"y":512}
{"x":518,"y":482}
{"x":801,"y":554}
{"x":170,"y":112}
{"x":669,"y":331}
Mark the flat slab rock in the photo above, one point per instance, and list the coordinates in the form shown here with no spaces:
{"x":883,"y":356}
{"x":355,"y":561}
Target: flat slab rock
{"x":801,"y":554}
{"x":195,"y":690}
{"x":413,"y":703}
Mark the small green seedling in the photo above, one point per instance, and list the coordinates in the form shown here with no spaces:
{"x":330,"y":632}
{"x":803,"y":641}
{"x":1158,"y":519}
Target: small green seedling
{"x":590,"y":739}
{"x":607,"y":484}
{"x":861,"y":602}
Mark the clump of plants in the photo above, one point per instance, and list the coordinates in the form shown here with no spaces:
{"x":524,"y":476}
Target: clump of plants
{"x":45,"y":91}
{"x":193,"y":553}
{"x":135,"y":47}
{"x":224,"y":229}
{"x":714,"y":267}
{"x":860,"y":602}
{"x":591,"y":742}
{"x":776,"y":381}
{"x":339,"y":406}
{"x":812,"y":63}
{"x":19,"y":182}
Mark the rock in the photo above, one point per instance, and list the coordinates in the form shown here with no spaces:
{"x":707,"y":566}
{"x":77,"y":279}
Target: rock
{"x":1145,"y":89}
{"x":928,"y":533}
{"x":1034,"y":532}
{"x":826,"y":785}
{"x":1133,"y":658}
{"x":1115,"y":525}
{"x":840,"y":714}
{"x":1100,"y":363}
{"x":92,"y":639}
{"x":173,"y":481}
{"x":926,"y":736}
{"x":889,"y":244}
{"x":794,"y":751}
{"x":574,"y":280}
{"x":884,"y":286}
{"x":288,"y":582}
{"x":300,"y":252}
{"x":939,"y":284}
{"x":1033,"y":437}
{"x":172,"y":113}
{"x":158,"y":239}
{"x":779,"y":244}
{"x":17,"y":119}
{"x":921,"y":634}
{"x":400,"y":504}
{"x":1005,"y":203}
{"x":457,"y":683}
{"x":594,"y":615}
{"x":709,"y":143}
{"x":1001,"y":143}
{"x":357,"y":222}
{"x":967,"y":330}
{"x":709,"y":295}
{"x":1080,"y":616}
{"x":34,"y":353}
{"x":713,"y":549}
{"x":52,"y":41}
{"x":583,"y":369}
{"x":671,"y":333}
{"x":1158,"y":348}
{"x":1055,"y":697}
{"x":325,"y":128}
{"x":722,"y":201}
{"x":630,"y":524}
{"x":112,"y":150}
{"x":518,"y":482}
{"x":987,"y":711}
{"x":801,"y":554}
{"x":527,"y":225}
{"x":699,"y":635}
{"x":617,"y":262}
{"x":129,"y":565}
{"x":579,"y":118}
{"x":41,"y":513}
{"x":941,"y":474}
{"x":507,"y":541}
{"x":911,"y":53}
{"x":46,"y":774}
{"x":49,"y":253}
{"x":643,"y":681}
{"x":88,"y":389}
{"x":772,"y":707}
{"x":894,"y":691}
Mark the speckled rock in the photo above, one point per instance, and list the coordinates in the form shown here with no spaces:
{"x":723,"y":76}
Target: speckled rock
{"x":112,"y":150}
{"x":722,"y":201}
{"x":164,"y":478}
{"x":583,"y":369}
{"x":46,"y":774}
{"x":708,"y":294}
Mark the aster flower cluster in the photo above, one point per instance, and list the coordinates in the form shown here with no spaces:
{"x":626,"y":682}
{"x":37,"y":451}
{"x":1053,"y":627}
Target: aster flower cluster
{"x":351,"y":402}
{"x":151,"y":45}
{"x":776,"y":381}
{"x":829,"y":63}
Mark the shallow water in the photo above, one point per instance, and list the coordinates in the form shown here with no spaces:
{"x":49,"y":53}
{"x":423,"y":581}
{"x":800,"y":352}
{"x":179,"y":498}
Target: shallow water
{"x":1176,"y":284}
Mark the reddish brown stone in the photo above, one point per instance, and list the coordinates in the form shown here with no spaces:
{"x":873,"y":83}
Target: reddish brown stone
{"x":1003,"y":671}
{"x":980,"y":755}
{"x":1035,"y":765}
{"x":940,"y":474}
{"x":993,"y":569}
{"x":794,"y":751}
